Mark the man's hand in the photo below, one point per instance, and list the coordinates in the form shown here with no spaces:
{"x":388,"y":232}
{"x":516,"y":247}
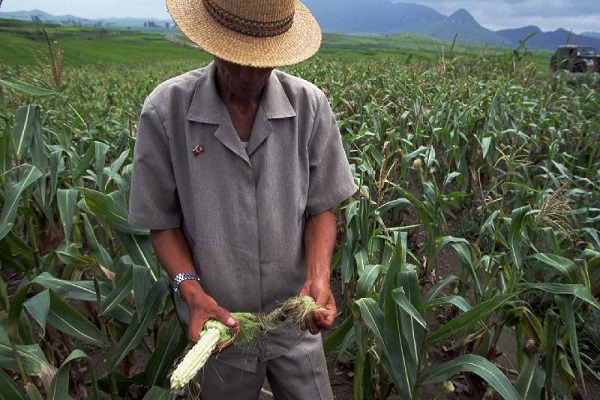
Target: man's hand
{"x":320,"y":291}
{"x":202,"y":307}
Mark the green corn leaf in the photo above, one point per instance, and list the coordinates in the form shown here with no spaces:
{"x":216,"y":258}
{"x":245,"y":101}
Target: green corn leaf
{"x":367,"y":280}
{"x":121,"y":290}
{"x":550,"y":345}
{"x":361,"y":258}
{"x":32,"y":392}
{"x":67,"y":206}
{"x":100,"y":150}
{"x":576,"y":290}
{"x":10,"y":390}
{"x":83,"y":163}
{"x":439,"y":286}
{"x":31,"y":356}
{"x":159,"y":393}
{"x":400,"y":298}
{"x":68,"y":320}
{"x":337,"y":337}
{"x":169,"y":346}
{"x":27,"y":121}
{"x":137,"y":329}
{"x":142,"y":282}
{"x":38,"y":307}
{"x":16,"y":253}
{"x":567,"y":314}
{"x":475,"y":315}
{"x":477,"y":365}
{"x":107,"y":210}
{"x":25,"y":87}
{"x":59,"y":388}
{"x":141,"y":252}
{"x":561,"y":264}
{"x":531,"y":379}
{"x":29,"y":175}
{"x":463,"y":251}
{"x":460,"y":302}
{"x":84,"y":291}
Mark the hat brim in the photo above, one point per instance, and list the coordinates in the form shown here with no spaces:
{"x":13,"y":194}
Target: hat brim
{"x":297,"y":44}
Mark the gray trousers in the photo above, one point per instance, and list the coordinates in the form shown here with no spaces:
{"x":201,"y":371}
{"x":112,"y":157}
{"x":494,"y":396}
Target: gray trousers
{"x":299,"y":374}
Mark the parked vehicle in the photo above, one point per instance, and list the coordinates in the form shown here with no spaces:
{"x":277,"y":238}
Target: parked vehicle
{"x":575,"y":58}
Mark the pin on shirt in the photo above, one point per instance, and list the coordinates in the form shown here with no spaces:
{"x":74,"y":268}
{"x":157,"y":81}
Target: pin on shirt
{"x":197,"y":150}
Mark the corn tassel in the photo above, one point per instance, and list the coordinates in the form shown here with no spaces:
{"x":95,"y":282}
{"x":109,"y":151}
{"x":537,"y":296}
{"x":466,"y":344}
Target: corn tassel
{"x":195,"y":359}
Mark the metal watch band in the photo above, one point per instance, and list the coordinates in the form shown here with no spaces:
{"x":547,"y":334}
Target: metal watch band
{"x":183,"y":276}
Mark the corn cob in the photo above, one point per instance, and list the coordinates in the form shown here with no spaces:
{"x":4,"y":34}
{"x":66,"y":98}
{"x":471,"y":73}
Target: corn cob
{"x":195,"y":358}
{"x":215,"y":336}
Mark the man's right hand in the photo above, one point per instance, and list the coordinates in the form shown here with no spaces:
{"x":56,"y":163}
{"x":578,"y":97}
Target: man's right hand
{"x":202,"y":307}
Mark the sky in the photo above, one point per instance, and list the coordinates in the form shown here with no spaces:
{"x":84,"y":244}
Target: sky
{"x":574,"y":15}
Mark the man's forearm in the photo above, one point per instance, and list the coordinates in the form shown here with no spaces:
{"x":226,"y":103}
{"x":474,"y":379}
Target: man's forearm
{"x":173,"y":252}
{"x":319,"y":241}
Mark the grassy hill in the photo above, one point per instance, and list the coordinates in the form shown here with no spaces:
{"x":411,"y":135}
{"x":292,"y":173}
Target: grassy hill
{"x":21,"y":42}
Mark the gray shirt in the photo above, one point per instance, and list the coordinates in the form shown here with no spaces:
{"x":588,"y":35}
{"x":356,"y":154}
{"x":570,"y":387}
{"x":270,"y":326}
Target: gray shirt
{"x":242,"y":211}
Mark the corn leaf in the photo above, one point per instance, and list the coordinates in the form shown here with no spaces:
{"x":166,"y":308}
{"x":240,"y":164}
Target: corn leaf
{"x":136,"y":330}
{"x":108,"y":211}
{"x":567,"y":314}
{"x":31,"y":356}
{"x":10,"y":390}
{"x":337,"y":336}
{"x":120,"y":291}
{"x":83,"y":290}
{"x":475,"y":315}
{"x":25,"y":87}
{"x":550,"y":345}
{"x":169,"y":346}
{"x":561,"y":264}
{"x":59,"y":388}
{"x":29,"y":175}
{"x":576,"y":290}
{"x":16,"y":253}
{"x":141,"y":252}
{"x":158,"y":393}
{"x":367,"y":280}
{"x":68,"y":320}
{"x":531,"y":379}
{"x":27,"y":121}
{"x":67,"y":206}
{"x":477,"y":365}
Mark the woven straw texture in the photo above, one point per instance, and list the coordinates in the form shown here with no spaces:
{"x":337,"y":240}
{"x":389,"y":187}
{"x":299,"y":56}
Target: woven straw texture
{"x":301,"y":41}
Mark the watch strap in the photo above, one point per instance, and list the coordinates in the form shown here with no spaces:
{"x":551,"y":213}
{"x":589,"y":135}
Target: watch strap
{"x":183,"y":276}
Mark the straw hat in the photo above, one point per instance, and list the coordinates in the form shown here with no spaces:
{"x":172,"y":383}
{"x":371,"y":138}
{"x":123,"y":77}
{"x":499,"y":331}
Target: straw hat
{"x":258,"y":33}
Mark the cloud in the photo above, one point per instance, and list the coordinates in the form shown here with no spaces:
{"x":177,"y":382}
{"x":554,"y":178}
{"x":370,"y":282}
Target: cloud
{"x":549,"y":15}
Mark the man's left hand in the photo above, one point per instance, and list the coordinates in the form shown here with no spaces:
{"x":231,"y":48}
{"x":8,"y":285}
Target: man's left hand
{"x":320,"y":291}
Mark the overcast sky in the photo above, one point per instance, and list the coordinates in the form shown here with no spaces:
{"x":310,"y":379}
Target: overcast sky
{"x":576,"y":15}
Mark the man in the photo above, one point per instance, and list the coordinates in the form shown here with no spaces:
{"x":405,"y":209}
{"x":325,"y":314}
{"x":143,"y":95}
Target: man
{"x":237,"y":167}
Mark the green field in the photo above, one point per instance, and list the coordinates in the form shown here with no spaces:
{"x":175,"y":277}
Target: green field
{"x":476,"y":223}
{"x":83,"y":46}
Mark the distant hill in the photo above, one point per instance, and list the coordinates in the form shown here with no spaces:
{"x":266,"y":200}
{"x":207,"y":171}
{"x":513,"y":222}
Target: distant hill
{"x":592,"y":34}
{"x":373,"y":17}
{"x":547,"y":40}
{"x":42,"y":16}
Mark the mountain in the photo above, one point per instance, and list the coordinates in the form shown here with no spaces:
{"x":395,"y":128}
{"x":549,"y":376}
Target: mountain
{"x":38,"y":15}
{"x":389,"y":17}
{"x":375,"y":17}
{"x":592,"y":34}
{"x":537,"y":39}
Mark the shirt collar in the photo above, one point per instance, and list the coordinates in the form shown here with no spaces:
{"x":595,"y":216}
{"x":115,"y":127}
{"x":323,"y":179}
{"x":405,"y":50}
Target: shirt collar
{"x":207,"y":107}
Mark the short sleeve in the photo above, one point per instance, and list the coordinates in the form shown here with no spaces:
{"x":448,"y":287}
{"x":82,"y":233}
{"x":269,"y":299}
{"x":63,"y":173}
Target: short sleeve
{"x":331,"y":180}
{"x":153,"y":199}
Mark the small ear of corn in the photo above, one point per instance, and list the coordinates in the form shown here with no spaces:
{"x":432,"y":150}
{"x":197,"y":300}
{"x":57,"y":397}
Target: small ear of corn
{"x":195,"y":359}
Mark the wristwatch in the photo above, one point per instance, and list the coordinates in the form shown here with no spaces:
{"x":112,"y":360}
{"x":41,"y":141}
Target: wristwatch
{"x":183,"y":276}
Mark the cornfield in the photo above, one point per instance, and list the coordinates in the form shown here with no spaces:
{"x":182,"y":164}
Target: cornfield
{"x":484,"y":160}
